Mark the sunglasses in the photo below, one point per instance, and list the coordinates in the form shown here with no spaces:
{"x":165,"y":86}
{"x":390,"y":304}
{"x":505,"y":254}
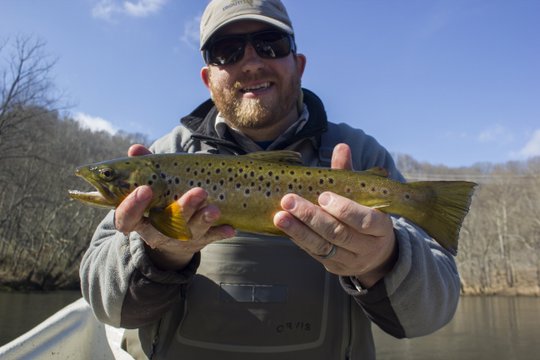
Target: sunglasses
{"x":229,"y":49}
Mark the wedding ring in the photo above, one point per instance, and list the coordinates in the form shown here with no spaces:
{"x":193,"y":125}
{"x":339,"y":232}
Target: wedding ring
{"x":331,"y":253}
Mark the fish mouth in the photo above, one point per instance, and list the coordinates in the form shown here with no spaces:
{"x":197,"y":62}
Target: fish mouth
{"x":102,"y":197}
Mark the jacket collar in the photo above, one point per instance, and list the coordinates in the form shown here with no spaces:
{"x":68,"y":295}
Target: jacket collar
{"x":201,"y":122}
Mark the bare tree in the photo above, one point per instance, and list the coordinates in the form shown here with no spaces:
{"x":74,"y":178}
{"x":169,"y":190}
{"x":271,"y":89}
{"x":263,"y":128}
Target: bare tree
{"x":25,"y":84}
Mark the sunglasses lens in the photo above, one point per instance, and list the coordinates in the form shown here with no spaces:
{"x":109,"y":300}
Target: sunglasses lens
{"x":230,"y":49}
{"x":226,"y":51}
{"x":272,"y":44}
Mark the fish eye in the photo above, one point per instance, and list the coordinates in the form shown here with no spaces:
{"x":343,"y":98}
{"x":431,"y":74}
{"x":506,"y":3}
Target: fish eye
{"x":106,"y":174}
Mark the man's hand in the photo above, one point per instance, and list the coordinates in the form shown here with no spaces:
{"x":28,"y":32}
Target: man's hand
{"x":168,"y":253}
{"x":347,"y":238}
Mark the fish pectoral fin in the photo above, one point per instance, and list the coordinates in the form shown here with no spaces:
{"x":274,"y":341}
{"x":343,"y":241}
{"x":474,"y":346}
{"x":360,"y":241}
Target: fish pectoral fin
{"x":170,"y":221}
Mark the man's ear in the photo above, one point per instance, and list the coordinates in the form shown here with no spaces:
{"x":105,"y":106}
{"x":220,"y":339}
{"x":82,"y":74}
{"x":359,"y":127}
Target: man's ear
{"x":205,"y":76}
{"x":300,"y":64}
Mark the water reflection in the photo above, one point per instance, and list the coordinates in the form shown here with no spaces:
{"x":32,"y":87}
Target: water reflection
{"x":483,"y":328}
{"x":19,"y":312}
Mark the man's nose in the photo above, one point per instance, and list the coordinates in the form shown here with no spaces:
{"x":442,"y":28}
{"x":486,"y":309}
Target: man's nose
{"x":251,"y":60}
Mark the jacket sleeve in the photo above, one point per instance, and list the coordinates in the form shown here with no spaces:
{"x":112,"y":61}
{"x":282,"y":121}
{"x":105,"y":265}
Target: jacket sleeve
{"x":119,"y":281}
{"x":421,"y":293}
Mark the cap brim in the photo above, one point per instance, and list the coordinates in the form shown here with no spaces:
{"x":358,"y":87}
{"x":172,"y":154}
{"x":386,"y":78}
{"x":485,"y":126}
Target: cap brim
{"x":254,"y":17}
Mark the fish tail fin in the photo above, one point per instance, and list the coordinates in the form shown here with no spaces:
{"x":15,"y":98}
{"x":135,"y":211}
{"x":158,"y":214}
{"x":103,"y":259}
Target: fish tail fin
{"x":170,"y":222}
{"x":442,"y":212}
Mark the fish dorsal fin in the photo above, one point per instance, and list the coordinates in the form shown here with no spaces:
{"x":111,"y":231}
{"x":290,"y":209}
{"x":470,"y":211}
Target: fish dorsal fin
{"x":377,"y":171}
{"x":277,"y":156}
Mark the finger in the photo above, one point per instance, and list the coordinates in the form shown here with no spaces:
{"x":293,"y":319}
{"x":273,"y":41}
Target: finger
{"x":342,"y":157}
{"x":192,"y":201}
{"x":302,"y":235}
{"x":138,"y":150}
{"x":131,"y":211}
{"x":361,"y":218}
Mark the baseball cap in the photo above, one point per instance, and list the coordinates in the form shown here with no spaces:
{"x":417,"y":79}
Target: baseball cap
{"x":219,"y":13}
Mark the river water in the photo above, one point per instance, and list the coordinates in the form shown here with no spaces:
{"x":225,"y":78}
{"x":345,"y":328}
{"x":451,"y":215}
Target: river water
{"x":483,"y":328}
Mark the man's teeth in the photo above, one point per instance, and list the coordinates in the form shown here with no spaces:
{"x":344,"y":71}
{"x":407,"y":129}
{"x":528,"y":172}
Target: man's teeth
{"x":257,"y":87}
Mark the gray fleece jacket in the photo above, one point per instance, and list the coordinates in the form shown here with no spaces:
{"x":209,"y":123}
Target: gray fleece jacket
{"x":125,"y":289}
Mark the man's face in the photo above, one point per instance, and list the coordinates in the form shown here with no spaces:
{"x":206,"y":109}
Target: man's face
{"x":254,"y":93}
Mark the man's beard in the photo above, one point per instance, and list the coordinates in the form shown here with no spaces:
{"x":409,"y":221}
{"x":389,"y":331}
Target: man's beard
{"x":253,"y":113}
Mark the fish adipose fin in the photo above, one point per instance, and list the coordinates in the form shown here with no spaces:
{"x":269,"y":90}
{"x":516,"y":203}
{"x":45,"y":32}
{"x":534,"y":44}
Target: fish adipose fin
{"x":170,"y":222}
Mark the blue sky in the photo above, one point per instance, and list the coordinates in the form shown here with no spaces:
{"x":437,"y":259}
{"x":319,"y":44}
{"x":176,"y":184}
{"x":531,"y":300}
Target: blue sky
{"x":451,"y":82}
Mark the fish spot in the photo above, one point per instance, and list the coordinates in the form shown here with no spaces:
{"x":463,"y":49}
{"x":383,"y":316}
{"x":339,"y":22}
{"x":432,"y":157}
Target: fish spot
{"x":221,"y":182}
{"x":230,"y":170}
{"x":321,"y":181}
{"x":214,"y":188}
{"x":188,"y":169}
{"x":277,"y":178}
{"x":261,"y":178}
{"x":373,"y":189}
{"x":176,"y":181}
{"x":158,"y":166}
{"x":292,"y":172}
{"x":407,"y":196}
{"x":175,"y":197}
{"x":150,"y":182}
{"x":199,"y":184}
{"x":291,"y":186}
{"x":308,"y":173}
{"x":191,"y":183}
{"x":252,"y":174}
{"x":175,"y":164}
{"x":221,"y":197}
{"x":244,"y":205}
{"x":348,"y":190}
{"x":385,"y":191}
{"x":154,"y":177}
{"x":310,"y":188}
{"x":268,"y":194}
{"x":247,"y":191}
{"x":238,"y":185}
{"x":331,"y":180}
{"x":240,"y":170}
{"x":218,"y":171}
{"x":363,"y":184}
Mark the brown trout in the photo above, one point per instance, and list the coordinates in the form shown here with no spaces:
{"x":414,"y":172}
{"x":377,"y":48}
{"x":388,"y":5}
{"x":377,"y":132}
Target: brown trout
{"x":248,"y":190}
